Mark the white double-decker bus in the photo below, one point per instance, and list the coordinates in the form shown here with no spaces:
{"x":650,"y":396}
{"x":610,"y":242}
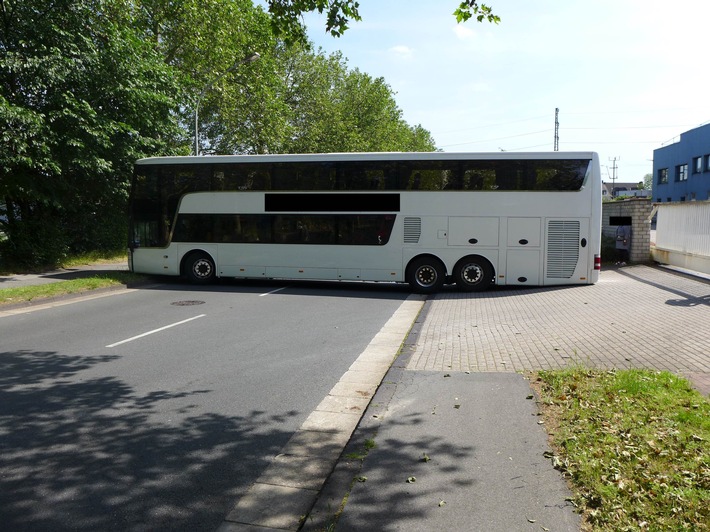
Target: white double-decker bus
{"x":422,"y":218}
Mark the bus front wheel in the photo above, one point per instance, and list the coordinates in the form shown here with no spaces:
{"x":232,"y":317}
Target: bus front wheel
{"x":426,"y":275}
{"x":473,"y":273}
{"x":199,"y":268}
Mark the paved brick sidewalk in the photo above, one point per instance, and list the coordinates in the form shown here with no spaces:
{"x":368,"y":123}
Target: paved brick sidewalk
{"x":635,"y":317}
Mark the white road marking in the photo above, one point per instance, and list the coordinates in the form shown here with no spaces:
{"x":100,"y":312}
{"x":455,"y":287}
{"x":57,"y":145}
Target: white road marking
{"x":156,"y":330}
{"x":273,"y":291}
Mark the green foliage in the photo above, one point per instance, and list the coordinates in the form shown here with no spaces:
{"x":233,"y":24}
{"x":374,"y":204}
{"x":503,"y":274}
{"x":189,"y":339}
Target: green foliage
{"x":635,"y":445}
{"x":35,"y":243}
{"x":206,"y":41}
{"x":330,"y":108}
{"x":361,"y":454}
{"x":471,"y":8}
{"x":286,"y":16}
{"x":83,"y":95}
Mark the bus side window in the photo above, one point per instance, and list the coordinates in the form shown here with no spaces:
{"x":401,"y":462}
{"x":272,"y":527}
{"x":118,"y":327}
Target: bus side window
{"x":507,"y":176}
{"x":258,"y":180}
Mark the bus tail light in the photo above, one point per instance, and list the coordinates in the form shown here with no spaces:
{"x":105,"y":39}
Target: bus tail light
{"x":597,"y":262}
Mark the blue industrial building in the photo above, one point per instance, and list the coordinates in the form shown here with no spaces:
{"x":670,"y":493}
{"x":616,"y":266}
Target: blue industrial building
{"x":681,"y":171}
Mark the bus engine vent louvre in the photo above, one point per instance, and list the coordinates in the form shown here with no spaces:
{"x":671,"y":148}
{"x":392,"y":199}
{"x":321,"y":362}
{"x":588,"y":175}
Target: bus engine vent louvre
{"x":412,"y":230}
{"x":562,"y":248}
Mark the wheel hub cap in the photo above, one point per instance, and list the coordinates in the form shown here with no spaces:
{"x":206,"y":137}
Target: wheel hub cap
{"x":426,"y":276}
{"x":472,"y":273}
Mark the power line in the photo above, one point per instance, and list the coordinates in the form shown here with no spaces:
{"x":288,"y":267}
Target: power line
{"x":623,"y":127}
{"x":490,"y":125}
{"x":612,"y":142}
{"x":497,"y":138}
{"x":527,"y":147}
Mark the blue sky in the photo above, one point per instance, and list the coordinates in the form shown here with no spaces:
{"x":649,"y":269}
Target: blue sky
{"x":628,"y":76}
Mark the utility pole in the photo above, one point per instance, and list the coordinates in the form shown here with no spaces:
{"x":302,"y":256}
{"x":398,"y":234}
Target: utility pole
{"x":613,"y":176}
{"x":557,"y":129}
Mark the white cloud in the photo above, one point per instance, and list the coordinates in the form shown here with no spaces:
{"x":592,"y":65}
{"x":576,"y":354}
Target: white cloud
{"x":464,"y":33}
{"x":402,"y":51}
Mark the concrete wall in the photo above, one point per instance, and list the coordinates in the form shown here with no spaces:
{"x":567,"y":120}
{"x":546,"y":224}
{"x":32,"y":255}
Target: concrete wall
{"x":639,"y":210}
{"x":683,"y":235}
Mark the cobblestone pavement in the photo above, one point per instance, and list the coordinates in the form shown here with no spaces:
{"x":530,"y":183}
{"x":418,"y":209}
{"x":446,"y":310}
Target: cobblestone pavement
{"x":634,"y":317}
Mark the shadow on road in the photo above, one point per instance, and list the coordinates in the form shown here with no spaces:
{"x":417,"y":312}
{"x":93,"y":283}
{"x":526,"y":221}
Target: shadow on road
{"x":95,"y":455}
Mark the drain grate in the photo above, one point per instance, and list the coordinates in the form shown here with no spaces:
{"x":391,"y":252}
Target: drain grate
{"x":187,"y":303}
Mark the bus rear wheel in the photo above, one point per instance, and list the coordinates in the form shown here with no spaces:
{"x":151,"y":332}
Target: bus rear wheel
{"x":199,"y":268}
{"x":473,"y":274}
{"x":426,"y":275}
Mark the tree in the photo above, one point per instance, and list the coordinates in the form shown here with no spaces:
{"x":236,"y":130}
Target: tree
{"x":330,"y":108}
{"x":205,"y":41}
{"x":82,"y":96}
{"x":291,"y":100}
{"x":286,"y":15}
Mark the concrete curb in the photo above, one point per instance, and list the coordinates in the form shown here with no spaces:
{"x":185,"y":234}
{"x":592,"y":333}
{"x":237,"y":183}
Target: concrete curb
{"x":287,"y":490}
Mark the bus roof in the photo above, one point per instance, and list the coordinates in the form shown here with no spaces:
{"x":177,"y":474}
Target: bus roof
{"x":370,"y":156}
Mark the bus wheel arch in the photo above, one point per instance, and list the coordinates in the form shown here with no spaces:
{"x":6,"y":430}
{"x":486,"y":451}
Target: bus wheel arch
{"x":199,"y":267}
{"x":473,"y":273}
{"x":426,"y":274}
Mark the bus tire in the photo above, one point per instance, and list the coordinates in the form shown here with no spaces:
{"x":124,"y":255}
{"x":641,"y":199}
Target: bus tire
{"x":473,"y":274}
{"x":426,"y":275}
{"x":199,"y":268}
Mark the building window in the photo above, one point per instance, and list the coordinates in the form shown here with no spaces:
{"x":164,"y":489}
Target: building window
{"x":663,"y":176}
{"x":707,"y":163}
{"x":697,"y":165}
{"x":681,"y":172}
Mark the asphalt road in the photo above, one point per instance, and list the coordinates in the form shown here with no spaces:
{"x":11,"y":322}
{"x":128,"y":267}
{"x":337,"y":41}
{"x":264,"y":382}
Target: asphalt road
{"x":157,"y":408}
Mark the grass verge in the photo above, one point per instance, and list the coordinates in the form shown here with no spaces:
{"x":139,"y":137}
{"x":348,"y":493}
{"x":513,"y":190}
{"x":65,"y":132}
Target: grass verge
{"x":10,"y":296}
{"x":95,"y":257}
{"x":634,"y":444}
{"x":89,"y":257}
